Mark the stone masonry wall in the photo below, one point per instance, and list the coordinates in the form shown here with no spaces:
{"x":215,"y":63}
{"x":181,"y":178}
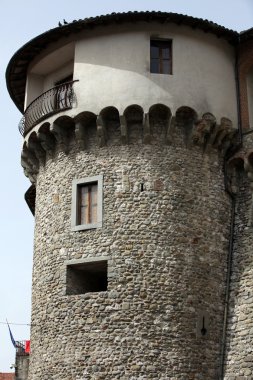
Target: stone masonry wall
{"x":165,"y":234}
{"x":239,"y":357}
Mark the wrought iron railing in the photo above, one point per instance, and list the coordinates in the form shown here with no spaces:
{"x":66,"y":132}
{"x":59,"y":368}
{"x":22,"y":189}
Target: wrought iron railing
{"x":55,"y":100}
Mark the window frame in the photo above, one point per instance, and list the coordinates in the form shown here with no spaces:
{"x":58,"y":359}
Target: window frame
{"x":76,"y":184}
{"x":160,"y":59}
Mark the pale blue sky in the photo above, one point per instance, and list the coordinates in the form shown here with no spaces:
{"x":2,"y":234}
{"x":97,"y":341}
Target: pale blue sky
{"x":20,"y":22}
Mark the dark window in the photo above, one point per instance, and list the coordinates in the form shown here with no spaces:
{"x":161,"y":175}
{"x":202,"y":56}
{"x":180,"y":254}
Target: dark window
{"x":161,"y":56}
{"x":63,"y":93}
{"x":86,"y":277}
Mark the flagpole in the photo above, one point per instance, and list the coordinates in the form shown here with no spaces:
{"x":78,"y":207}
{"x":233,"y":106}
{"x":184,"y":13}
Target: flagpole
{"x":11,"y":336}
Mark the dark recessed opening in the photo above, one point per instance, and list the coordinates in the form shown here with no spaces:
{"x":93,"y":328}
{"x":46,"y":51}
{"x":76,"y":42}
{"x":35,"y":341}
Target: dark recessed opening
{"x":161,"y":56}
{"x":86,"y":277}
{"x":203,"y":329}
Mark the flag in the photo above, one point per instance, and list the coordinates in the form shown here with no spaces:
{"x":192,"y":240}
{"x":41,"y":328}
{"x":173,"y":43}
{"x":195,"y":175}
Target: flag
{"x":12,"y":339}
{"x":27,"y":346}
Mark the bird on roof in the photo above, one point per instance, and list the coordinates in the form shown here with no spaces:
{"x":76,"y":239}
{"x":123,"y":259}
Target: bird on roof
{"x":65,"y":22}
{"x":59,"y":24}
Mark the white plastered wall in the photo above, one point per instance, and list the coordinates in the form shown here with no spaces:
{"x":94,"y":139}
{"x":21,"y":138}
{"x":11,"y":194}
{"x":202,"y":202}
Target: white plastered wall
{"x":112,"y":65}
{"x":114,"y":69}
{"x":49,"y":69}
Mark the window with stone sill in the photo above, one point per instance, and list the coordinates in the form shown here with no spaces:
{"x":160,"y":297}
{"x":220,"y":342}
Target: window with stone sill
{"x":87,"y":203}
{"x":161,"y":56}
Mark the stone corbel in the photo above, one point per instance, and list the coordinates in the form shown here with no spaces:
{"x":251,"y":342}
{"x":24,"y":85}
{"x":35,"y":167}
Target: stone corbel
{"x":61,"y":136}
{"x":170,"y":128}
{"x":199,"y":132}
{"x":146,"y":130}
{"x":80,"y":135}
{"x":203,"y":131}
{"x":228,"y":141}
{"x":30,"y":164}
{"x":47,"y":141}
{"x":35,"y":146}
{"x":123,"y":130}
{"x":224,"y":129}
{"x":27,"y":170}
{"x":101,"y":132}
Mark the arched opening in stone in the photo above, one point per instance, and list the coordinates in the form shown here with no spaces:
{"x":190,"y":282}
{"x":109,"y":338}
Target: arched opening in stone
{"x":185,"y":119}
{"x":159,"y":119}
{"x":86,"y":129}
{"x":46,"y":138}
{"x":134,"y":121}
{"x":65,"y":122}
{"x":111,"y":121}
{"x":34,"y":145}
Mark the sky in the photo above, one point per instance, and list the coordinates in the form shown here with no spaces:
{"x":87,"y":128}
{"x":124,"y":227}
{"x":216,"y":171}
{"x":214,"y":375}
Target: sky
{"x":20,"y":22}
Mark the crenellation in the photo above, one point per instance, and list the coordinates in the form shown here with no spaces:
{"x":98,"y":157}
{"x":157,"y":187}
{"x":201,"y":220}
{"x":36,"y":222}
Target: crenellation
{"x":156,"y":127}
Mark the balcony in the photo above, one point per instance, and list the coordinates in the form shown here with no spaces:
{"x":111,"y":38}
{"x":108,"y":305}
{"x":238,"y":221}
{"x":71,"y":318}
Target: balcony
{"x":55,"y":100}
{"x":22,"y":348}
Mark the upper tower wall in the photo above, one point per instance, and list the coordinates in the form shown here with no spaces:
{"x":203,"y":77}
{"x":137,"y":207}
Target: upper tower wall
{"x":115,"y":70}
{"x":115,"y":63}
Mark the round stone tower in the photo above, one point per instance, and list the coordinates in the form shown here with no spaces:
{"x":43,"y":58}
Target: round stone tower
{"x":128,"y":119}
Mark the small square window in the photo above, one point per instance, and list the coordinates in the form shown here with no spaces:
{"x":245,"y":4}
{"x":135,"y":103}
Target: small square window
{"x":86,"y":277}
{"x":161,"y":56}
{"x":86,"y":203}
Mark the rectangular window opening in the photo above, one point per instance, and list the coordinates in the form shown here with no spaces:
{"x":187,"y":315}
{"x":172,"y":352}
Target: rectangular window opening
{"x":86,"y":277}
{"x":87,"y":207}
{"x":161,"y":56}
{"x":87,"y":203}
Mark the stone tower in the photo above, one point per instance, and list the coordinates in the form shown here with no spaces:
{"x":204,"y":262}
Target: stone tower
{"x":140,"y":170}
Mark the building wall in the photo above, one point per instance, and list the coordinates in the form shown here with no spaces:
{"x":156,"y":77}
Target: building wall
{"x":22,"y":367}
{"x":166,"y":243}
{"x":115,"y":68}
{"x":166,"y":215}
{"x":239,"y":352}
{"x":112,"y":65}
{"x":245,"y":79}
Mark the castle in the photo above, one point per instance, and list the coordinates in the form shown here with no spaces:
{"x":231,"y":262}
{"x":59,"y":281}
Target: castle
{"x":137,"y":135}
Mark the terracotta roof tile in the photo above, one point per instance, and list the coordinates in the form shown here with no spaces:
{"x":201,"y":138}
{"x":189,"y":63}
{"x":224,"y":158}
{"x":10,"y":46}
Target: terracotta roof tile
{"x":6,"y":376}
